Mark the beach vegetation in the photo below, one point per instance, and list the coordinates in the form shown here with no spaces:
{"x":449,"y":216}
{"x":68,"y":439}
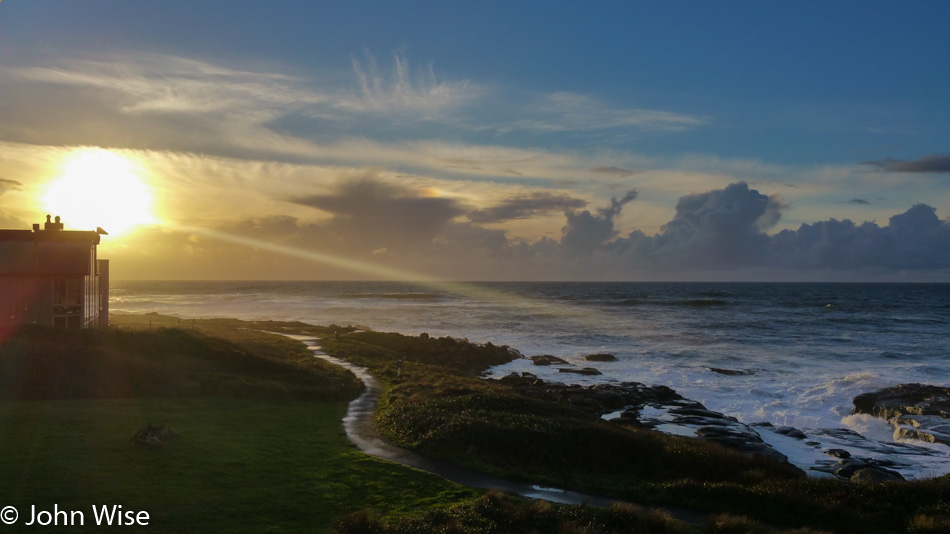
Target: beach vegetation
{"x":453,"y":414}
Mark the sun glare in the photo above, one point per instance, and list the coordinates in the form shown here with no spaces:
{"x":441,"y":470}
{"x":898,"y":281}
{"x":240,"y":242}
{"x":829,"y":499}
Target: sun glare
{"x":99,"y":188}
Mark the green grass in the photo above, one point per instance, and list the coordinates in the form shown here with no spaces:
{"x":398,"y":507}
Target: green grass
{"x":262,"y":447}
{"x":42,"y":363}
{"x":239,"y":466}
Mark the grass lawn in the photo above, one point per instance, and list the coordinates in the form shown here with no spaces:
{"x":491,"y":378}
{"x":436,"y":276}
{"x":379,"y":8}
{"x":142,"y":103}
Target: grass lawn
{"x":239,"y":466}
{"x":259,"y":450}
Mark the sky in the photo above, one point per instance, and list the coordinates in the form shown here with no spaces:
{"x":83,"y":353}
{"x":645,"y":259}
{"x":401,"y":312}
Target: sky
{"x":739,"y":141}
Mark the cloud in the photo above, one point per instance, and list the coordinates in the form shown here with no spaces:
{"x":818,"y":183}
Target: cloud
{"x":400,"y":228}
{"x":566,"y":111}
{"x":421,"y":95}
{"x":369,"y":214}
{"x":712,"y":229}
{"x":724,"y":229}
{"x":913,"y":240}
{"x":525,"y":206}
{"x":153,"y":83}
{"x":614,"y":171}
{"x":585,"y":232}
{"x":8,"y":184}
{"x":934,"y":163}
{"x":859,"y":202}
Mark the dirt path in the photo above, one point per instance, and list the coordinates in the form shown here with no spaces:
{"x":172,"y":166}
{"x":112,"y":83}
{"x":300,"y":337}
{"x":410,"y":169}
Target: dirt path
{"x":360,"y":426}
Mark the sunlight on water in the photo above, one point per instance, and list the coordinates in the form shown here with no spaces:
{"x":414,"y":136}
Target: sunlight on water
{"x":578,"y":318}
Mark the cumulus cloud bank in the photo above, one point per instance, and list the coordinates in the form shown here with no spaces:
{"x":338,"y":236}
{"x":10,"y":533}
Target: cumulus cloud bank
{"x":718,"y":231}
{"x":585,"y":232}
{"x":725,"y":229}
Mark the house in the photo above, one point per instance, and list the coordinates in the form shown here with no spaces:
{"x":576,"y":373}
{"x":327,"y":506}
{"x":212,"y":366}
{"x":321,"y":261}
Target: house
{"x":53,"y":277}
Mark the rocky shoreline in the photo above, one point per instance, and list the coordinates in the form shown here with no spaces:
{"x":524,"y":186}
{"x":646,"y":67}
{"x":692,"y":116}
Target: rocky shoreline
{"x":916,"y":411}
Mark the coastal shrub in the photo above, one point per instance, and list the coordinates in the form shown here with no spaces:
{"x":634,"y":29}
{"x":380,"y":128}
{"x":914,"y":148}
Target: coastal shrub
{"x":927,"y":524}
{"x":497,"y":513}
{"x":373,"y":349}
{"x":441,"y":408}
{"x":45,"y":363}
{"x":489,"y":426}
{"x":364,"y":521}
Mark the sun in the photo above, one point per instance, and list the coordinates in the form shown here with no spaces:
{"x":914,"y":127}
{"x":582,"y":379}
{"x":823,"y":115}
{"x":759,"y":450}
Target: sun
{"x":100,"y":188}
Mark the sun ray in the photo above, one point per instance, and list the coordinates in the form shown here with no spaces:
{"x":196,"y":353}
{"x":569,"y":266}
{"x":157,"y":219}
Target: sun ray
{"x":582,"y":318}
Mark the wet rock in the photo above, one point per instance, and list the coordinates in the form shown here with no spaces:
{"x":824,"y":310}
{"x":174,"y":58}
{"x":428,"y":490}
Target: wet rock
{"x":701,"y":412}
{"x":630,"y":413}
{"x":547,"y":359}
{"x":905,"y":399}
{"x":600,"y":358}
{"x":730,"y":372}
{"x":876,"y":474}
{"x":741,"y":438}
{"x":581,"y":371}
{"x":514,"y":379}
{"x":609,"y":399}
{"x":916,"y":411}
{"x":791,"y":432}
{"x":664,"y":393}
{"x":929,"y":428}
{"x":838,"y":453}
{"x":667,"y":408}
{"x":861,"y":470}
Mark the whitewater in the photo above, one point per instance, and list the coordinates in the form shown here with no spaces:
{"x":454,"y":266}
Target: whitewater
{"x":791,"y":354}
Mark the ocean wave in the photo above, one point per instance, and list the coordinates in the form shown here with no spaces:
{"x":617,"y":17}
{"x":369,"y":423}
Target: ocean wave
{"x":699,"y":302}
{"x":695,"y":303}
{"x":391,"y":296}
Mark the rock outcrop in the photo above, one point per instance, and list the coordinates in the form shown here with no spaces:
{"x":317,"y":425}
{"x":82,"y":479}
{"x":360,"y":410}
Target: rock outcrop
{"x":916,"y":411}
{"x":547,"y":359}
{"x":650,"y":407}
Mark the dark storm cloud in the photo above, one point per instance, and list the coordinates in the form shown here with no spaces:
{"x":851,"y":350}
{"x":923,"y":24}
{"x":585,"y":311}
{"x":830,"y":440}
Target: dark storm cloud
{"x":614,"y":171}
{"x":859,"y":202}
{"x":934,"y":163}
{"x":585,"y":232}
{"x":525,"y":206}
{"x":369,"y":214}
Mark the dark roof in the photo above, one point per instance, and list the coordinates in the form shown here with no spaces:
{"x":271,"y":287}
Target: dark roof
{"x":46,"y":252}
{"x":53,"y":236}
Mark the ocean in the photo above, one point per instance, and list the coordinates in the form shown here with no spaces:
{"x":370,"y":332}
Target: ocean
{"x":796,"y":353}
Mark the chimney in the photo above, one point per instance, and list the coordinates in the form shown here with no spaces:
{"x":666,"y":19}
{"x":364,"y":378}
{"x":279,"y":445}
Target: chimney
{"x":53,"y":225}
